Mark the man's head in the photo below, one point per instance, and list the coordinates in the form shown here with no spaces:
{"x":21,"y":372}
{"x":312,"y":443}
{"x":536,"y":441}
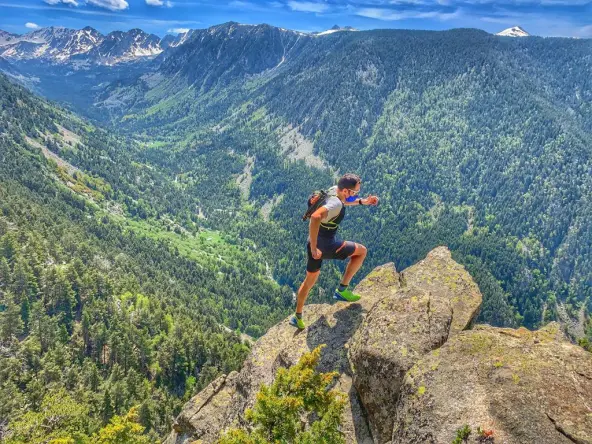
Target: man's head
{"x":349,"y":185}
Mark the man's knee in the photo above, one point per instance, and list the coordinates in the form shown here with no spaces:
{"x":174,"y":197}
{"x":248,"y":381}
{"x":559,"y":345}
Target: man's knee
{"x":360,"y":250}
{"x":312,"y":275}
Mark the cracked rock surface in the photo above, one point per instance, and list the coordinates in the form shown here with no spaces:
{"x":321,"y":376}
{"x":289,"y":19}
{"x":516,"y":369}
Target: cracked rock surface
{"x":415,"y":369}
{"x":528,"y":387}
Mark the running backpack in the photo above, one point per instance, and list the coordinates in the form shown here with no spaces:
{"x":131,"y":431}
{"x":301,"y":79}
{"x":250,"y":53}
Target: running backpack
{"x":316,"y":200}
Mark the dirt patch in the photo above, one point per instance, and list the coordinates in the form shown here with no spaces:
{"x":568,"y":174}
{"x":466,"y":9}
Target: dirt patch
{"x":68,"y":136}
{"x":296,"y":147}
{"x":268,"y":206}
{"x":245,"y":179}
{"x":71,"y":169}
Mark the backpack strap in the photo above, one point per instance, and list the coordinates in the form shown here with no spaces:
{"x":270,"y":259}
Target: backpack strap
{"x":320,"y":197}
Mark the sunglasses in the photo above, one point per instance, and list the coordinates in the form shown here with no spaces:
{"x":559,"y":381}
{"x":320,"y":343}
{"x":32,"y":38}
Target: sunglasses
{"x":354,"y":192}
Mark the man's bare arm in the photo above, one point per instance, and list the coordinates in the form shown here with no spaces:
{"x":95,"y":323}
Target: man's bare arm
{"x":369,"y":201}
{"x":313,"y":228}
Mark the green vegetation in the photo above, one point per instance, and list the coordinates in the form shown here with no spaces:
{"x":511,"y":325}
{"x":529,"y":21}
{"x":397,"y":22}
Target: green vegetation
{"x":127,"y":255}
{"x":296,"y":393}
{"x":100,"y":310}
{"x":61,"y":420}
{"x":462,"y":435}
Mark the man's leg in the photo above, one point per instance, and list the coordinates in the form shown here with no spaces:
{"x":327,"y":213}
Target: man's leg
{"x":309,"y":281}
{"x":355,"y":262}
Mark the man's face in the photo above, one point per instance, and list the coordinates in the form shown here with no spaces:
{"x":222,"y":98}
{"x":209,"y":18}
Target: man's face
{"x":354,"y":191}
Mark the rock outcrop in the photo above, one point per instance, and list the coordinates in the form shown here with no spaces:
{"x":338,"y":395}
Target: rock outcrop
{"x":415,"y":369}
{"x":435,"y":300}
{"x":528,"y":387}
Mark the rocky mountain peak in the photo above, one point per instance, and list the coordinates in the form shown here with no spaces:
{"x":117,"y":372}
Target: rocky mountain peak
{"x":415,"y":368}
{"x":7,"y":37}
{"x":62,"y":45}
{"x":344,"y":28}
{"x":336,"y":28}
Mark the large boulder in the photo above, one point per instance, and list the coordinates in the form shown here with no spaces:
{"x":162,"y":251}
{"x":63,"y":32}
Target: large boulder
{"x":434,"y":300}
{"x":411,"y":370}
{"x":525,"y":387}
{"x":206,"y":413}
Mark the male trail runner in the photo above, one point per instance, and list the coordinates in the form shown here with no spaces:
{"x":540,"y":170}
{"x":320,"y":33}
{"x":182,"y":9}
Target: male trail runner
{"x":323,"y":243}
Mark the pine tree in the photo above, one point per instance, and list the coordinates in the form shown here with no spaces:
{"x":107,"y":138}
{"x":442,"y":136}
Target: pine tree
{"x":107,"y":406}
{"x":296,"y":393}
{"x":122,"y":430}
{"x":11,"y":324}
{"x":4,"y":272}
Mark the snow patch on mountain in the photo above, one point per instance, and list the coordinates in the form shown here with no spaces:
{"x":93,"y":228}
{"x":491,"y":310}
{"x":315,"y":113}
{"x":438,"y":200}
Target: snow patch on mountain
{"x":515,"y":31}
{"x":335,"y":29}
{"x":7,"y":38}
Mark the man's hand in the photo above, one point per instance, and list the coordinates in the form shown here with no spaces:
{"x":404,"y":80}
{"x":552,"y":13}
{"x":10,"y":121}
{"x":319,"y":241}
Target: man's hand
{"x":316,"y":253}
{"x":370,"y":200}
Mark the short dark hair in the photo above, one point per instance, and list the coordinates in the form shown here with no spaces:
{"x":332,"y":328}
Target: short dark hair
{"x":348,"y":181}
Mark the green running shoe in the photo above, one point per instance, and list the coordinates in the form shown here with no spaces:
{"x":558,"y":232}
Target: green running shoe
{"x":297,"y":322}
{"x":346,"y":295}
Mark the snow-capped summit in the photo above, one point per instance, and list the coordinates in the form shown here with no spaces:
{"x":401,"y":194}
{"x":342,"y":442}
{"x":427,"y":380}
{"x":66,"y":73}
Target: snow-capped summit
{"x":7,"y":38}
{"x":172,"y":41}
{"x":334,"y":29}
{"x":87,"y":45}
{"x":119,"y":46}
{"x":515,"y":31}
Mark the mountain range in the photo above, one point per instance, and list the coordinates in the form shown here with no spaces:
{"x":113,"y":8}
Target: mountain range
{"x":84,"y":46}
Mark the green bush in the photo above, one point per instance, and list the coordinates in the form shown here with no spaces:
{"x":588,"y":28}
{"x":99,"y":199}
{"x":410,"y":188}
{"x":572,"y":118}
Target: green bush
{"x":296,"y":393}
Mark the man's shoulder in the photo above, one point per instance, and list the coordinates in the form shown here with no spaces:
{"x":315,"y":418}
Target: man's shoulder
{"x":333,"y":201}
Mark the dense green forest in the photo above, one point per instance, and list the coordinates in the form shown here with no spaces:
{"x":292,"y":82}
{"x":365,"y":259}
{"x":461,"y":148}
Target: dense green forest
{"x":101,"y":308}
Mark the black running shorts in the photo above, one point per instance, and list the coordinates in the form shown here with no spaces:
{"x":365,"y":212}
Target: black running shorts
{"x":332,"y":248}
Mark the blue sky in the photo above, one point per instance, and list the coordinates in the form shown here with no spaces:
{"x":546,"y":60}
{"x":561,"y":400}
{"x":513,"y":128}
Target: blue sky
{"x":568,"y":18}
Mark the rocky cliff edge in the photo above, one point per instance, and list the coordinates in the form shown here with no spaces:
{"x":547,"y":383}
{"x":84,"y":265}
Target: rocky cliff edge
{"x":415,"y":368}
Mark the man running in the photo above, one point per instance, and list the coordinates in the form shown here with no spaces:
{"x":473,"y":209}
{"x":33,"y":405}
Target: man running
{"x":324,"y":244}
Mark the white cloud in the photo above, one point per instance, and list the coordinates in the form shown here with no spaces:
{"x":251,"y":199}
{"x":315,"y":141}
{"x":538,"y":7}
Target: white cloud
{"x":65,"y":2}
{"x":53,"y":8}
{"x":166,"y":3}
{"x":406,"y":14}
{"x":178,"y":30}
{"x":408,"y":2}
{"x":31,"y":25}
{"x":584,"y":31}
{"x":112,"y":5}
{"x":248,"y":6}
{"x":307,"y":6}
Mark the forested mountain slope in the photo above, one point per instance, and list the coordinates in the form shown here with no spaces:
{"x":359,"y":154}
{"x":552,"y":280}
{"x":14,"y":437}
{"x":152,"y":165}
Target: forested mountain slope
{"x":99,"y":309}
{"x":476,"y":141}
